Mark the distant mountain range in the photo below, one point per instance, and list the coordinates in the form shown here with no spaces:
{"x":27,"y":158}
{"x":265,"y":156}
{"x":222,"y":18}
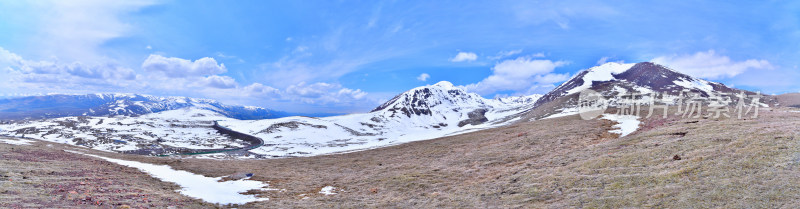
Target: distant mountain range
{"x":61,"y":105}
{"x":424,"y":112}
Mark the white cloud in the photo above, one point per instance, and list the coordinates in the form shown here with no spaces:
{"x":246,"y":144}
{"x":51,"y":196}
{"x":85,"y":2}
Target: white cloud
{"x":300,"y":49}
{"x":603,"y":60}
{"x":289,"y":71}
{"x":354,"y":94}
{"x":7,"y":57}
{"x":177,"y":67}
{"x":521,"y":74}
{"x":75,"y":30}
{"x":260,"y":90}
{"x":223,"y":56}
{"x":220,"y":82}
{"x":560,"y":12}
{"x":504,"y":54}
{"x":710,"y":65}
{"x":162,"y":76}
{"x":423,"y":77}
{"x":464,"y":56}
{"x":540,"y":54}
{"x":75,"y":73}
{"x":75,"y":69}
{"x":322,"y":93}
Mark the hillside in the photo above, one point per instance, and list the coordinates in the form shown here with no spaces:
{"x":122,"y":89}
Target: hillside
{"x":169,"y":124}
{"x":421,"y":113}
{"x":136,"y":123}
{"x":615,"y":81}
{"x":549,"y":163}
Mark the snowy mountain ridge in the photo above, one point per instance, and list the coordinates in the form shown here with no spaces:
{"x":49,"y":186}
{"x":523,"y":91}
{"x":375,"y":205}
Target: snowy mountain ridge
{"x":117,"y":104}
{"x":614,"y":80}
{"x":421,"y":113}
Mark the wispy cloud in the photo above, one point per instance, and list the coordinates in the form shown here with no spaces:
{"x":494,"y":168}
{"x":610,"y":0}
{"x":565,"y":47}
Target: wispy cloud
{"x":711,"y":65}
{"x":76,"y":30}
{"x":423,"y":77}
{"x":561,"y":13}
{"x":504,"y":54}
{"x":171,"y":75}
{"x":522,"y":74}
{"x":464,"y":56}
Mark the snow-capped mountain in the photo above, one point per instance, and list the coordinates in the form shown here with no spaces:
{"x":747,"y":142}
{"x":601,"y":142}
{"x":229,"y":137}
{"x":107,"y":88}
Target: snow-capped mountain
{"x":442,"y":99}
{"x":524,"y":100}
{"x":189,"y":128}
{"x":60,"y":105}
{"x":421,"y":113}
{"x":615,"y":79}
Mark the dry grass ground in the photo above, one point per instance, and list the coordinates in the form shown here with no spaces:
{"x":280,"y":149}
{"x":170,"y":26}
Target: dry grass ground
{"x":554,"y":163}
{"x":789,"y":100}
{"x":43,"y":176}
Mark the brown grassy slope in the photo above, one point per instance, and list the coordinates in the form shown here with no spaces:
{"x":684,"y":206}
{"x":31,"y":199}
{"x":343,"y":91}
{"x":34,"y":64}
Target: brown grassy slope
{"x":789,"y":100}
{"x":42,"y":176}
{"x":563,"y":162}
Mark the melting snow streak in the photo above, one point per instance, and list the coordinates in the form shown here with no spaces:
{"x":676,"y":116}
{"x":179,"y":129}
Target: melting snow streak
{"x":194,"y":185}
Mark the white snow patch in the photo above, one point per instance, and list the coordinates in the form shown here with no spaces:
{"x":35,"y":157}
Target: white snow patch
{"x":16,"y":142}
{"x":603,"y":72}
{"x":643,"y":90}
{"x":626,"y":124}
{"x":695,"y":84}
{"x":327,"y":190}
{"x":197,"y":186}
{"x":564,"y":112}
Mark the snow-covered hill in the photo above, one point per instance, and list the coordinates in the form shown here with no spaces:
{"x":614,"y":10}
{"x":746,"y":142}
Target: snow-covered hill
{"x":421,"y":113}
{"x":188,"y":127}
{"x":131,"y":122}
{"x":60,"y":105}
{"x":613,"y":80}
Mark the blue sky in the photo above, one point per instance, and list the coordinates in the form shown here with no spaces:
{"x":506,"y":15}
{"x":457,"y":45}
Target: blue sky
{"x":348,"y":56}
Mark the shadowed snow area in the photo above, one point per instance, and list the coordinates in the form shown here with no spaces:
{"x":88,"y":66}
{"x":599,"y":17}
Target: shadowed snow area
{"x":197,"y":186}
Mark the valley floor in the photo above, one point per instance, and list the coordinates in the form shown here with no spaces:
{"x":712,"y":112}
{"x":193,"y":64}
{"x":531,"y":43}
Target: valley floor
{"x":553,"y":163}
